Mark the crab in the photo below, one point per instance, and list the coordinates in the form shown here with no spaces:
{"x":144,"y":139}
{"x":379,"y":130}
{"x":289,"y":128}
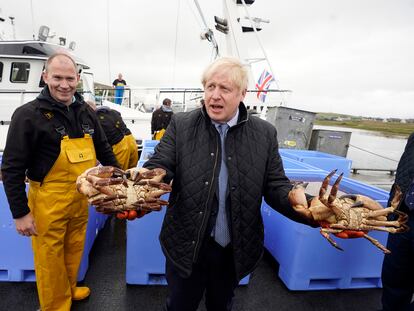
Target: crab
{"x":112,"y":190}
{"x":351,"y":215}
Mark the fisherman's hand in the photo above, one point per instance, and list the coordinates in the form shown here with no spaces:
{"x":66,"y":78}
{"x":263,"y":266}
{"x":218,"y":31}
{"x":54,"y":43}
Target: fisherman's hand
{"x":25,"y":225}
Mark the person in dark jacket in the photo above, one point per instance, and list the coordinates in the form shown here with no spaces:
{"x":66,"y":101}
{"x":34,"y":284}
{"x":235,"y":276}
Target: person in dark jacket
{"x":51,"y":141}
{"x":161,"y":117}
{"x":222,"y":162}
{"x":398,"y":266}
{"x":119,"y":136}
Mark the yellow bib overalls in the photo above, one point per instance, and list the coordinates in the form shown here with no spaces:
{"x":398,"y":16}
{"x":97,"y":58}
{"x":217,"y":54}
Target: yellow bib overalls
{"x":61,"y":216}
{"x":133,"y":150}
{"x":122,"y":153}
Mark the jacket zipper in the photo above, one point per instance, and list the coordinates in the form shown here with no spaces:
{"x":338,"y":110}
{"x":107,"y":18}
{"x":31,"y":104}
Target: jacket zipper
{"x":206,"y":205}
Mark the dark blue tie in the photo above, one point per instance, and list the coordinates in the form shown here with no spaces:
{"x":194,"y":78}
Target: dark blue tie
{"x":221,"y":230}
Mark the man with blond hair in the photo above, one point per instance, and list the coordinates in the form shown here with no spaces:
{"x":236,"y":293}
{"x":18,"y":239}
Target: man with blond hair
{"x":222,"y":162}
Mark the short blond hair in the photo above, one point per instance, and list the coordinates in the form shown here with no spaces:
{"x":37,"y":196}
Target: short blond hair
{"x":238,"y":73}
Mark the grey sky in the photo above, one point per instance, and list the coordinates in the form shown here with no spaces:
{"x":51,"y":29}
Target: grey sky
{"x":340,"y":56}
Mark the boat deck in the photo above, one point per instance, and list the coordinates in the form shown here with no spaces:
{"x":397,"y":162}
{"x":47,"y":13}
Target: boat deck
{"x":106,"y":278}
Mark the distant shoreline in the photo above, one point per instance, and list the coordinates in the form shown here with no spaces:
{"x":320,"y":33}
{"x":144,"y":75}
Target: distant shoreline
{"x":387,"y":128}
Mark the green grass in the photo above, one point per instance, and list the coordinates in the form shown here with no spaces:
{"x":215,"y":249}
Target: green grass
{"x":387,"y":128}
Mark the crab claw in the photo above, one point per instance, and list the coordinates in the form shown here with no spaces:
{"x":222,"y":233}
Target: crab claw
{"x":138,"y":174}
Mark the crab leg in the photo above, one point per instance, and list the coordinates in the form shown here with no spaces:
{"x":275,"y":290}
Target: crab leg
{"x":377,"y":244}
{"x":325,"y":233}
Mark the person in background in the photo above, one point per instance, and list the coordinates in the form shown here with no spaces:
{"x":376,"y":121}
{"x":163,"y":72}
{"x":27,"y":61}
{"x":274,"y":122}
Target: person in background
{"x":132,"y":144}
{"x":222,"y":162}
{"x":119,"y":85}
{"x":161,"y":117}
{"x":52,"y":140}
{"x":398,"y":266}
{"x":118,"y":135}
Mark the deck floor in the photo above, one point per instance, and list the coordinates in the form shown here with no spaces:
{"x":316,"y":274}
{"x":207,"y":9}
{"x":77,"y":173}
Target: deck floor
{"x":106,"y":278}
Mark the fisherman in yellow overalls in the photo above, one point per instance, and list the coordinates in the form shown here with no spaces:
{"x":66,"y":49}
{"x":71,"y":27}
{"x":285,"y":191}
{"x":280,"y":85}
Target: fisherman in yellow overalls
{"x":119,"y":136}
{"x":52,"y":140}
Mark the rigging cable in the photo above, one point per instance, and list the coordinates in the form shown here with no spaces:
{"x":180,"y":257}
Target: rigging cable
{"x":33,"y":22}
{"x":283,"y":98}
{"x":175,"y":43}
{"x":107,"y":41}
{"x":373,"y":153}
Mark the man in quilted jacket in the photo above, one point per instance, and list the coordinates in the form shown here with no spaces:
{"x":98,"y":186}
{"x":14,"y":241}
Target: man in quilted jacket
{"x":222,"y":162}
{"x":398,"y":267}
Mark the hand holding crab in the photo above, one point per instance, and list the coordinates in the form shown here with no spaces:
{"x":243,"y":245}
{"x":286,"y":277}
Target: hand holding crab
{"x":349,"y":216}
{"x":129,"y":194}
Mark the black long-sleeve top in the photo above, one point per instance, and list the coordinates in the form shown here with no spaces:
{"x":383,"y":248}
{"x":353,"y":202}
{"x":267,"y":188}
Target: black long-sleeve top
{"x":33,"y":143}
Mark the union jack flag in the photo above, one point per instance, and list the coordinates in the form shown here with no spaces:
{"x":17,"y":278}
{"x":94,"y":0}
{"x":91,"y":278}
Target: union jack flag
{"x":263,"y":84}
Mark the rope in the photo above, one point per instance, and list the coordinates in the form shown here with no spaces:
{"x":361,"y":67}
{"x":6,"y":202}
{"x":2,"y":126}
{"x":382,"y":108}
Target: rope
{"x":373,"y":153}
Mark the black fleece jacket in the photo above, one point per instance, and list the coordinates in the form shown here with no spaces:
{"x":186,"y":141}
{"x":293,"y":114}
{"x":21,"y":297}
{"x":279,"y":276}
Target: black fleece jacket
{"x":33,"y":143}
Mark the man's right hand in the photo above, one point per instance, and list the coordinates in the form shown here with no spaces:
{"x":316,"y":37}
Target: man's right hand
{"x":25,"y":225}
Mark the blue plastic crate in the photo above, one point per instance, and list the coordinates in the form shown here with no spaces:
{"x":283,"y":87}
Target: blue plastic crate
{"x":95,"y":223}
{"x":145,"y":261}
{"x":291,"y":165}
{"x":149,"y":143}
{"x":308,"y":262}
{"x":16,"y":255}
{"x":322,"y":160}
{"x":146,"y":153}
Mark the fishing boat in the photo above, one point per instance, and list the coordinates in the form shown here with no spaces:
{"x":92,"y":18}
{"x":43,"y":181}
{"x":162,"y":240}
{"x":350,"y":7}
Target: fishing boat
{"x":107,"y":262}
{"x":21,"y":65}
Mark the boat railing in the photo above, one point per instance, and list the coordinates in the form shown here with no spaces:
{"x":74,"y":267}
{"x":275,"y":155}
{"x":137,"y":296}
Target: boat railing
{"x":184,"y":99}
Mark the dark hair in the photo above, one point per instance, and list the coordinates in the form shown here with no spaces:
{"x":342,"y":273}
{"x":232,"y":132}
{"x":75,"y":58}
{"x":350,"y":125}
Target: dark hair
{"x":166,"y":101}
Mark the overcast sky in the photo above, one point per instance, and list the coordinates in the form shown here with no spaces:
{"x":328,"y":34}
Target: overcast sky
{"x":345,"y":56}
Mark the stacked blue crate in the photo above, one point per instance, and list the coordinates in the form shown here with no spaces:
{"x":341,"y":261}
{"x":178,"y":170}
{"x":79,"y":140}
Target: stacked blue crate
{"x":322,"y":160}
{"x":95,"y":222}
{"x":16,"y":255}
{"x":308,"y":262}
{"x":149,"y":143}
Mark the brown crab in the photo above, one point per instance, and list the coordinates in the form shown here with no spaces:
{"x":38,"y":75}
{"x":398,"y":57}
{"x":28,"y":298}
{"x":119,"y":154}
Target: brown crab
{"x":350,"y":216}
{"x":113,"y":190}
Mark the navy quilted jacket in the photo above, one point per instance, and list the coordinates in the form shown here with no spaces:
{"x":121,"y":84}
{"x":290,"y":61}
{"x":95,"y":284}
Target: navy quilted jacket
{"x":405,"y":171}
{"x":190,"y":152}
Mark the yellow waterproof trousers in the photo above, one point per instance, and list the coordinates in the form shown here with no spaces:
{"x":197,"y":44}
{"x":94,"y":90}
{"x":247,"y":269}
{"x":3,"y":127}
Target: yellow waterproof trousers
{"x":133,"y":151}
{"x":61,"y":216}
{"x":121,"y":152}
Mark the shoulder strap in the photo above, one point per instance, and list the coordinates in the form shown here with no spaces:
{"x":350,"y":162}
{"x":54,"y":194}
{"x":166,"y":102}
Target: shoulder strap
{"x":49,"y":115}
{"x":86,"y":128}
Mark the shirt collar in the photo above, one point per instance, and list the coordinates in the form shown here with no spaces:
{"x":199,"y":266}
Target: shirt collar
{"x":231,"y":122}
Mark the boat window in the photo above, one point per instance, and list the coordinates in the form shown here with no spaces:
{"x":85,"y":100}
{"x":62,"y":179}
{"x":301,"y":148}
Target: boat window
{"x":1,"y":71}
{"x":19,"y":72}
